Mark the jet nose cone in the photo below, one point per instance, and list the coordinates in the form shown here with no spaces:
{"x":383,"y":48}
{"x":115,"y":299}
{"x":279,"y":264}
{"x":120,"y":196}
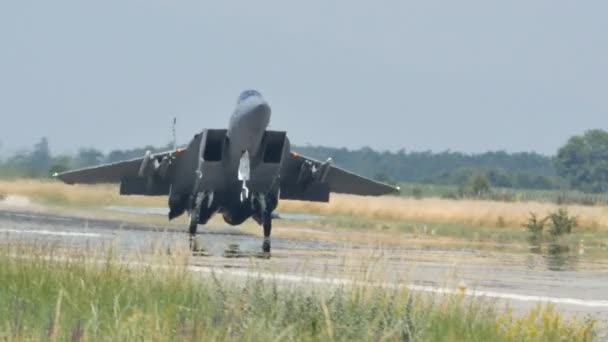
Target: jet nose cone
{"x":253,"y":111}
{"x":262,"y":107}
{"x":260,"y":113}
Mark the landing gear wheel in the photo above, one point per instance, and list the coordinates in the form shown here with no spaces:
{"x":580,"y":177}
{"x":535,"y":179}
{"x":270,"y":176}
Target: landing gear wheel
{"x":266,"y":246}
{"x":196,"y":249}
{"x":267,"y":225}
{"x":192,"y":228}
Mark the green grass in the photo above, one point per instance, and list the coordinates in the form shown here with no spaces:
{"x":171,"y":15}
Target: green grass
{"x":506,"y":194}
{"x":73,"y":298}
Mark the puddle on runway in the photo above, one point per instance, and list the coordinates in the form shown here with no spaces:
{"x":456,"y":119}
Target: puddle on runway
{"x":76,"y":231}
{"x":52,"y":233}
{"x":557,"y":257}
{"x":138,"y":210}
{"x":165,"y":211}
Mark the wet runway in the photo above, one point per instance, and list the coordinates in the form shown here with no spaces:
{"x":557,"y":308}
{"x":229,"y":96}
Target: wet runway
{"x":574,"y":283}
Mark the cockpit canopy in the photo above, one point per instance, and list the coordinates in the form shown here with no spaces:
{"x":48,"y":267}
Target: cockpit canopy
{"x":248,"y":93}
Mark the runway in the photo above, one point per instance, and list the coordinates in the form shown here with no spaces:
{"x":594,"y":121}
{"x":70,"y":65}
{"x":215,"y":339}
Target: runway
{"x":575,"y":284}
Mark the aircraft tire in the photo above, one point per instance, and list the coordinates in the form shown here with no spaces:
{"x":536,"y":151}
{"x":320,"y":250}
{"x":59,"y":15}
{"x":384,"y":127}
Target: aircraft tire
{"x":267,"y":225}
{"x":193,"y":222}
{"x":192,"y":227}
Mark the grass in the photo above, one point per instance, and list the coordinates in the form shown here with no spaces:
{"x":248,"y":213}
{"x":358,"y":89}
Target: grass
{"x":507,"y":194}
{"x":52,"y":192}
{"x":452,"y":236}
{"x":435,"y":210}
{"x":468,"y":212}
{"x":70,"y":296}
{"x":422,"y":228}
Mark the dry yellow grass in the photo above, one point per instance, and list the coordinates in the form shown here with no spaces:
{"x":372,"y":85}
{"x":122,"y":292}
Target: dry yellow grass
{"x":54,"y":192}
{"x":470,"y":212}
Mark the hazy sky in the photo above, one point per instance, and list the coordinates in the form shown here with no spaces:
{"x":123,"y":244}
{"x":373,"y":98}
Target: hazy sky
{"x":462,"y":75}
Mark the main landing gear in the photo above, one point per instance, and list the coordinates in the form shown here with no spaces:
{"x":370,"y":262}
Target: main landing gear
{"x":263,"y":216}
{"x":202,"y":198}
{"x":252,"y":204}
{"x":267,"y":226}
{"x":258,"y":206}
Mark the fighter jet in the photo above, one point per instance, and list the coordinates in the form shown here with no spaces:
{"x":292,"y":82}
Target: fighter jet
{"x":240,"y":172}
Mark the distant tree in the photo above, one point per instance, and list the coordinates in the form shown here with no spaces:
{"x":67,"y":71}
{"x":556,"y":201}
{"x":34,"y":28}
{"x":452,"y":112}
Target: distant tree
{"x":34,"y":163}
{"x":479,"y":184}
{"x":527,"y":180}
{"x":14,"y":166}
{"x":20,"y":159}
{"x":40,"y":158}
{"x":88,"y":157}
{"x":446,"y":167}
{"x":583,"y":161}
{"x":381,"y":177}
{"x":500,"y":178}
{"x":60,"y":164}
{"x":118,"y":155}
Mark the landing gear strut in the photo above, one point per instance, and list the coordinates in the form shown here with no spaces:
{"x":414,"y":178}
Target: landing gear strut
{"x":264,"y":219}
{"x":267,"y":225}
{"x":195,"y":218}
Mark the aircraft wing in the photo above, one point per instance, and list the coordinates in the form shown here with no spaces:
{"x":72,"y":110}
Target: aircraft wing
{"x":133,"y":174}
{"x":106,"y":173}
{"x":305,"y":178}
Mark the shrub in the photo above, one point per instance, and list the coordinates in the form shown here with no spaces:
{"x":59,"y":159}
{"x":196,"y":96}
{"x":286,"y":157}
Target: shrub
{"x":561,"y":222}
{"x":535,"y":226}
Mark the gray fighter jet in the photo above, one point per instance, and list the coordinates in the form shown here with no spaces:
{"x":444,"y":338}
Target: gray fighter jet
{"x":240,"y":172}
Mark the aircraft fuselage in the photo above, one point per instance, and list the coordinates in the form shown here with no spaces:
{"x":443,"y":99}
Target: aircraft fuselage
{"x":227,"y":189}
{"x":248,"y":124}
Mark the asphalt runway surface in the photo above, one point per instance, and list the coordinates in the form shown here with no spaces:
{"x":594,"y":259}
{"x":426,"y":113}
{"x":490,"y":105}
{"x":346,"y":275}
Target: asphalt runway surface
{"x":575,"y":284}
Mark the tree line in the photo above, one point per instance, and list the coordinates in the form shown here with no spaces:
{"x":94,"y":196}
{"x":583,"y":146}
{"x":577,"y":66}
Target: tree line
{"x":511,"y":170}
{"x":38,"y":162}
{"x":581,"y":163}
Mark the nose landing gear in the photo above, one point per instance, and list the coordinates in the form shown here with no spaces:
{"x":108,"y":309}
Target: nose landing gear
{"x":244,"y":174}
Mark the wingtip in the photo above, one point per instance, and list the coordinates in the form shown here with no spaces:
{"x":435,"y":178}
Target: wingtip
{"x":394,"y":190}
{"x":59,"y":176}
